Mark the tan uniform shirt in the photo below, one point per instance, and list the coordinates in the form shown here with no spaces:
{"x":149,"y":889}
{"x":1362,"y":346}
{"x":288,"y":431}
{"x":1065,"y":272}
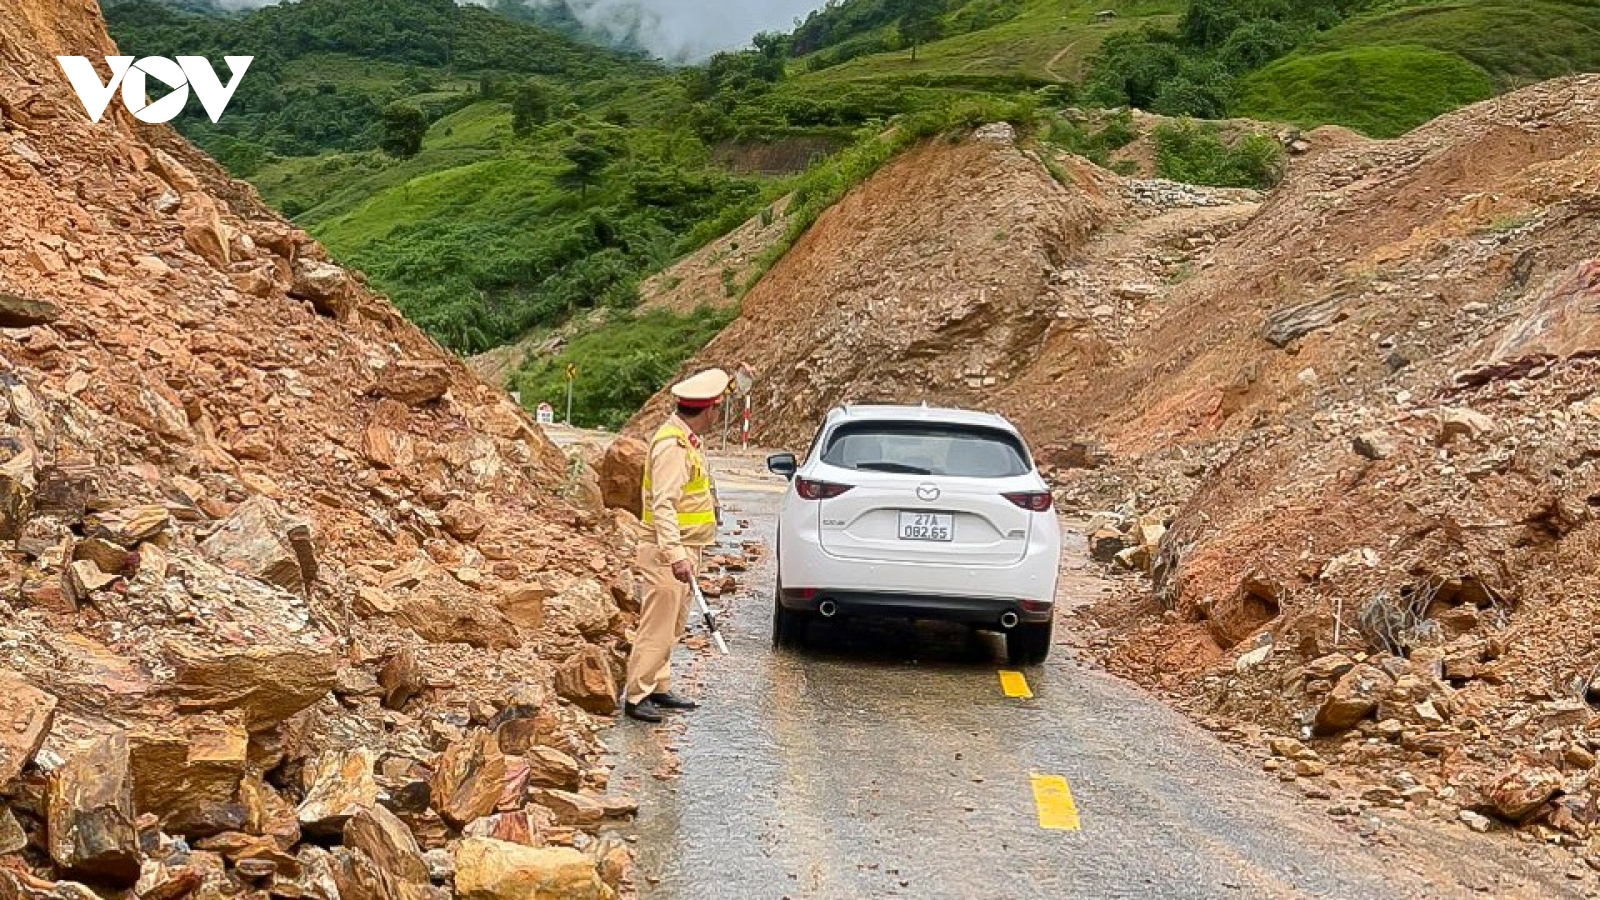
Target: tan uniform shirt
{"x":671,"y":465}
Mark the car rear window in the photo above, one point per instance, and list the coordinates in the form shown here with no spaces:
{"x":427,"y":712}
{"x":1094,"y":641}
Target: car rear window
{"x":915,"y":448}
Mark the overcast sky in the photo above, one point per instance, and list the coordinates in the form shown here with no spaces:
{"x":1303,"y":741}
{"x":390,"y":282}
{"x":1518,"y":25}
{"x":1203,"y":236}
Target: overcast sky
{"x":675,"y":30}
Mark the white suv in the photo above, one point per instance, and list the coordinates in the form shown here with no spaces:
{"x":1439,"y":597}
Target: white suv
{"x":921,"y":513}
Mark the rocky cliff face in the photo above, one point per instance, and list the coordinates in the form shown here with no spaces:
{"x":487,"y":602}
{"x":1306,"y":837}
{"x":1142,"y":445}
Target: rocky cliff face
{"x":276,"y":568}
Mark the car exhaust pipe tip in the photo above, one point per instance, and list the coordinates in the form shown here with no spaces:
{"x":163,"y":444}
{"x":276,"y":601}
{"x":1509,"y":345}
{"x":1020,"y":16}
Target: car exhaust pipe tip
{"x":828,"y":609}
{"x":1008,"y":620}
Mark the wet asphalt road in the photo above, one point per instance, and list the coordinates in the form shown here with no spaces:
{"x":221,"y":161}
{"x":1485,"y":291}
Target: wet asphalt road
{"x":885,"y":761}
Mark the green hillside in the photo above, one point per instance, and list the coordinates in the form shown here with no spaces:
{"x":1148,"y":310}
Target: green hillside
{"x":1026,"y":41}
{"x":1394,"y":69}
{"x":294,"y":102}
{"x":495,"y":177}
{"x":498,"y":177}
{"x":1379,"y":66}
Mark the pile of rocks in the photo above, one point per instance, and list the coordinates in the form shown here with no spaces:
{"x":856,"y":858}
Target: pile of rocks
{"x":291,"y":605}
{"x":1131,"y":543}
{"x":1390,"y":732}
{"x":1388,"y":382}
{"x":217,"y":804}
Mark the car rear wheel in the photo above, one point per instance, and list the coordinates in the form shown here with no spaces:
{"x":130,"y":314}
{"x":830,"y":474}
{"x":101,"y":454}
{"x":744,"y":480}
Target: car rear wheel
{"x":788,"y":626}
{"x":1029,"y":645}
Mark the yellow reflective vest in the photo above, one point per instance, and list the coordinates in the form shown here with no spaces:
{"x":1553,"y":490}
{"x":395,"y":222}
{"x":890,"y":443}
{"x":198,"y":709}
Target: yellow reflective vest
{"x":677,"y":469}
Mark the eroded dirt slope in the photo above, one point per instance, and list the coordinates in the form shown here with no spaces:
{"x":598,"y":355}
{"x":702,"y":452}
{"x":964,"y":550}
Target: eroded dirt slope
{"x":920,"y":284}
{"x":1365,"y":405}
{"x":1406,"y":510}
{"x":277,"y":569}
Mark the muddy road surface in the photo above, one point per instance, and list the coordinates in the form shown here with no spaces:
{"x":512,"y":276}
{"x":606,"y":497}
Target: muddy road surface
{"x":891,"y":760}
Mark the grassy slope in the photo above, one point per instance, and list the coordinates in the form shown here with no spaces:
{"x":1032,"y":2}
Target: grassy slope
{"x":1390,"y":71}
{"x":1048,"y":41}
{"x":1379,"y":91}
{"x":619,"y":365}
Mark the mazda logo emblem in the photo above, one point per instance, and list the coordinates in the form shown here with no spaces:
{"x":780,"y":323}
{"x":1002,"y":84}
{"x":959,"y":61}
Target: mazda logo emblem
{"x":928,"y":492}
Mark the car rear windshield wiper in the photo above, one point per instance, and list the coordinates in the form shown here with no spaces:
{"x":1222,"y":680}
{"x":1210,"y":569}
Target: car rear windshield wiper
{"x":901,"y":468}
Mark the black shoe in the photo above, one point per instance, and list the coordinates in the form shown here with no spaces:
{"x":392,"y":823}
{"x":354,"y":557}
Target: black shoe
{"x":671,"y":701}
{"x":644,"y":712}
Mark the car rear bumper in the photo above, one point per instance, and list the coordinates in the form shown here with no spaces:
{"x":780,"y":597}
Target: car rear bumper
{"x":803,"y":564}
{"x":966,"y":610}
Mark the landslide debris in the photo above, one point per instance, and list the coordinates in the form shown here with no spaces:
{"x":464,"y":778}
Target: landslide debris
{"x":1387,"y":388}
{"x":279,"y":575}
{"x":1349,"y":431}
{"x":942,"y":277}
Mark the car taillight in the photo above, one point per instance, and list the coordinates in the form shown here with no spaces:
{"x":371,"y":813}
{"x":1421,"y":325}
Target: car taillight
{"x":811,"y":489}
{"x":1032,"y":501}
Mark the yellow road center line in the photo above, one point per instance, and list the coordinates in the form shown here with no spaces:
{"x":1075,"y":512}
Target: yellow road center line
{"x":1015,"y":685}
{"x":1057,"y":811}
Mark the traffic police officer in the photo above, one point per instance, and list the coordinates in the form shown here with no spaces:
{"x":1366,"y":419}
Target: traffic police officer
{"x":680,"y":516}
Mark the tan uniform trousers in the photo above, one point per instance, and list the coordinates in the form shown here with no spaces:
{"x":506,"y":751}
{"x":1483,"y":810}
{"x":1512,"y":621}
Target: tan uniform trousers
{"x":663,"y":618}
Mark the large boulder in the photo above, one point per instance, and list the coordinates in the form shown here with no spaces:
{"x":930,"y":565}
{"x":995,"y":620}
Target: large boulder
{"x":260,"y":541}
{"x":27,"y":714}
{"x":525,"y":826}
{"x":444,"y":616}
{"x":1523,"y":790}
{"x":341,"y":785}
{"x":587,"y":605}
{"x":188,"y":772}
{"x":586,"y":679}
{"x":401,"y":679}
{"x":388,"y":843}
{"x":523,"y":604}
{"x":1561,"y":323}
{"x":268,"y":813}
{"x":572,"y":809}
{"x":469,"y":779}
{"x":356,"y":876}
{"x":17,"y":483}
{"x":549,"y":767}
{"x":622,"y":474}
{"x":1354,"y":697}
{"x":90,"y":814}
{"x":204,"y":232}
{"x":1459,"y":422}
{"x":462,"y":521}
{"x":269,"y":683}
{"x":487,"y":869}
{"x":330,"y":289}
{"x":414,"y":383}
{"x":130,"y":526}
{"x":26,"y":312}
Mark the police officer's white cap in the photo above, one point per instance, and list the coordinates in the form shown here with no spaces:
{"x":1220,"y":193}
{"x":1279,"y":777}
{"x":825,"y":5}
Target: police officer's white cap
{"x":703,"y":389}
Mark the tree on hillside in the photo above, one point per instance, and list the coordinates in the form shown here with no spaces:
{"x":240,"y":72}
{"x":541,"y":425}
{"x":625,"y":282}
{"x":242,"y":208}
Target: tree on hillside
{"x":403,"y":129}
{"x":1207,"y":23}
{"x":918,"y":22}
{"x":531,"y":106}
{"x":772,"y":50}
{"x":587,"y":156}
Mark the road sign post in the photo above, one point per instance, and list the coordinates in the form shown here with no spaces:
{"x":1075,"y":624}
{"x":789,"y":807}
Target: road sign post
{"x":572,"y":377}
{"x":744,"y":379}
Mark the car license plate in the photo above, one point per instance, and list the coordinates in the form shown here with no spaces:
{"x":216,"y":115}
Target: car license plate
{"x":927,"y":527}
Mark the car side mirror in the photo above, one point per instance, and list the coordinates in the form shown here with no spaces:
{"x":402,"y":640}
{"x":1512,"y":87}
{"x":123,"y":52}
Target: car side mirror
{"x":783,"y":464}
